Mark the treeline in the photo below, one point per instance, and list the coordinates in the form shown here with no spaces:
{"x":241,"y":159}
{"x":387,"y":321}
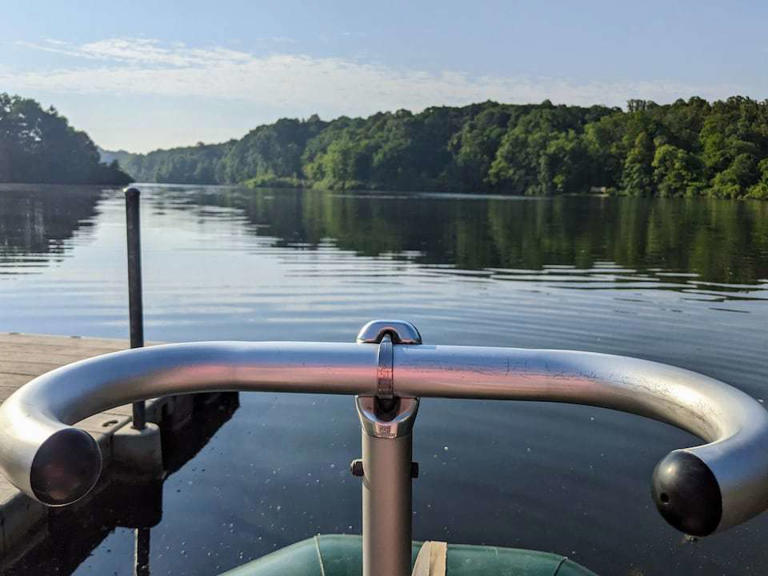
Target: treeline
{"x":38,"y":145}
{"x":688,"y":148}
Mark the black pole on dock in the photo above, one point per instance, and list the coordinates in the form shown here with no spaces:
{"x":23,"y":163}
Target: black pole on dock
{"x":135,"y":304}
{"x":141,"y":552}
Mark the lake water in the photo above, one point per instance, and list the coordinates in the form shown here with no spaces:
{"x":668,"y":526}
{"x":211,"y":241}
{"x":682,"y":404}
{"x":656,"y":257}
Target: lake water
{"x":677,"y":281}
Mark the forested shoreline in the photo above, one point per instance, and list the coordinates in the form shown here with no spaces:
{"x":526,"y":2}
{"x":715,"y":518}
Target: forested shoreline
{"x":39,"y":146}
{"x":688,"y":148}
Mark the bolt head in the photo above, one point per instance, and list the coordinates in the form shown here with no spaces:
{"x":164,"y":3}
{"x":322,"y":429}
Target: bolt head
{"x":356,"y":468}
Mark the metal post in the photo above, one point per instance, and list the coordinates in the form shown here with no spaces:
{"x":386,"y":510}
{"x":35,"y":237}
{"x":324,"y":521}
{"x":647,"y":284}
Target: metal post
{"x":386,"y":467}
{"x":136,"y":318}
{"x":141,"y":552}
{"x":387,"y":471}
{"x":135,"y":305}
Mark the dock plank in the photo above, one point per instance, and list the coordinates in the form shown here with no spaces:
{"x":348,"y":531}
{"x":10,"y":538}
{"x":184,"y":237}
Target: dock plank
{"x":61,"y":354}
{"x":23,"y":357}
{"x":24,"y":367}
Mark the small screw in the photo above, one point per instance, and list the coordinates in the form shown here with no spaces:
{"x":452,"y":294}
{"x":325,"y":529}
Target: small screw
{"x":356,"y":467}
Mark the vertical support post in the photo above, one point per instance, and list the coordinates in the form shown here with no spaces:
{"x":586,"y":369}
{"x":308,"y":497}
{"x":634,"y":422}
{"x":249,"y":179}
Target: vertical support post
{"x":386,"y":468}
{"x":141,"y":552}
{"x":135,"y":304}
{"x":387,"y":471}
{"x":136,"y":320}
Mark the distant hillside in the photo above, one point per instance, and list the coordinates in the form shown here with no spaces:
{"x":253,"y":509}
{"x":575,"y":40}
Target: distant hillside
{"x":38,"y":145}
{"x":687,"y":148}
{"x":119,"y":156}
{"x":189,"y":165}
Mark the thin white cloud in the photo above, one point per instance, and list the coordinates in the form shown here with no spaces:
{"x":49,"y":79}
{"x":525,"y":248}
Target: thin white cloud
{"x":143,"y":52}
{"x":184,"y":94}
{"x":301,"y":84}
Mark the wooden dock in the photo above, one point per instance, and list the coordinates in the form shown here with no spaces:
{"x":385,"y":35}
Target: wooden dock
{"x":25,"y":356}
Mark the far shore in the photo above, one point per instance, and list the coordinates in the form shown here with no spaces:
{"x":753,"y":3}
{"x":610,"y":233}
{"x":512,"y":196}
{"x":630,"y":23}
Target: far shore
{"x":32,"y":186}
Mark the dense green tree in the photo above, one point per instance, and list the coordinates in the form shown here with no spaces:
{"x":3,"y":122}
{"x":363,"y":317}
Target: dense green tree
{"x":739,"y":176}
{"x":39,"y":145}
{"x":676,"y":172}
{"x":474,"y":146}
{"x":637,"y":178}
{"x":544,"y":151}
{"x":685,"y":148}
{"x":760,"y":190}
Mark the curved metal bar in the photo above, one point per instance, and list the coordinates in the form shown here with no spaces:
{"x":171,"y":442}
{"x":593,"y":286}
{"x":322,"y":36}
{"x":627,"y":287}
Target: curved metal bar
{"x":698,"y":490}
{"x":35,"y":420}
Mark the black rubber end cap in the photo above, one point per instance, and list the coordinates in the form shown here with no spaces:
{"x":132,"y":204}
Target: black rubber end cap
{"x":687,"y":493}
{"x":65,"y":467}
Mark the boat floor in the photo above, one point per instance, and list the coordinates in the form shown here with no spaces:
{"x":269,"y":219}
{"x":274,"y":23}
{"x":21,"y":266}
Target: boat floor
{"x":341,"y":555}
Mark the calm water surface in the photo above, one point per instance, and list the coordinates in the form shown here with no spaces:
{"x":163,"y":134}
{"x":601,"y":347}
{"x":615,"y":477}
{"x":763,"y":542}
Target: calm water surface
{"x":677,"y":281}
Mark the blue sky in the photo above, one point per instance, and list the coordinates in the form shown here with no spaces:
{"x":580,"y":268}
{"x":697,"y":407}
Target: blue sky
{"x":140,"y":75}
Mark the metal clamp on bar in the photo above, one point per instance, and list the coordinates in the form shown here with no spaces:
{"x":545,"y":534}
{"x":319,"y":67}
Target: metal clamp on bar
{"x":385,"y":333}
{"x":399,"y":331}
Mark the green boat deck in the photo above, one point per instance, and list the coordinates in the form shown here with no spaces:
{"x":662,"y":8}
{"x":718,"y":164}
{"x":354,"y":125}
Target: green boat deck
{"x":342,"y":555}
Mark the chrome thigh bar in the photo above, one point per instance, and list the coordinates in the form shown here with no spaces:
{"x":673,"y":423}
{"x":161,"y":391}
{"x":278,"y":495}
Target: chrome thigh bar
{"x":699,"y":490}
{"x":735,"y":460}
{"x":36,"y":420}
